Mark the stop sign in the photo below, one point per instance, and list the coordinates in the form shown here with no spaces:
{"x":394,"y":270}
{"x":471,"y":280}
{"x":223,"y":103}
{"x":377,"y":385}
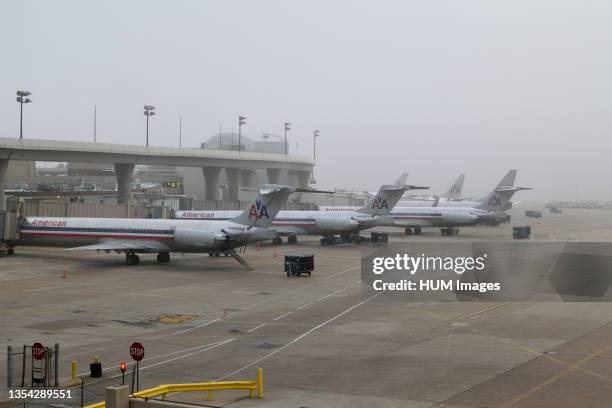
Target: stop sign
{"x":38,"y":351}
{"x":136,"y":351}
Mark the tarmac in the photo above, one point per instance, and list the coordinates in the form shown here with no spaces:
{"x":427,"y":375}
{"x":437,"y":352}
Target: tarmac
{"x":320,"y":340}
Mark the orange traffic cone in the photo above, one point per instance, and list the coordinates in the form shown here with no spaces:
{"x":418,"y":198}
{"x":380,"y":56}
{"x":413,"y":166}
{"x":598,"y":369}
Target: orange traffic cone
{"x":65,"y":274}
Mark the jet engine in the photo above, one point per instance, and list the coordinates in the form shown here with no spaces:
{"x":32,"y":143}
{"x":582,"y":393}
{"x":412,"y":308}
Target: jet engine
{"x":337,"y":224}
{"x":200,"y":238}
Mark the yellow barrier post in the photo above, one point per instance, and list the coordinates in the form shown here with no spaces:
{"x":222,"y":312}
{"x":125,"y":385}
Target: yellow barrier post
{"x":73,"y":368}
{"x":260,"y":390}
{"x":209,"y":397}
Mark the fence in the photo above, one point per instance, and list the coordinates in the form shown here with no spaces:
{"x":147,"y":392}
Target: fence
{"x":253,"y":386}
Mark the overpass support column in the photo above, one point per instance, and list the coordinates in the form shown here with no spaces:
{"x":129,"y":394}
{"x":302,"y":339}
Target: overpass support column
{"x":247,"y":178}
{"x":233,"y":183}
{"x":274,"y":176}
{"x":3,"y":176}
{"x":211,"y":179}
{"x":124,"y":173}
{"x":303,"y":179}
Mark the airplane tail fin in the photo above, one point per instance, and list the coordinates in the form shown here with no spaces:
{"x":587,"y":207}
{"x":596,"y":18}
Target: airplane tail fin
{"x":269,"y":201}
{"x":386,"y":198}
{"x":499,"y":199}
{"x":507,"y":180}
{"x":401,"y":180}
{"x":454,"y":191}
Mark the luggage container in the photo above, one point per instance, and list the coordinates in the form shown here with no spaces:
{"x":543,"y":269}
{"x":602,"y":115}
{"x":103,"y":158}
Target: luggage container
{"x":379,"y":238}
{"x":297,"y":264}
{"x":521,"y":232}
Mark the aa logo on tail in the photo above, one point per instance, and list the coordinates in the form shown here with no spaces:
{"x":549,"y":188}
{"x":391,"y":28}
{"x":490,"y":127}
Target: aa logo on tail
{"x":258,"y":210}
{"x":380,"y":203}
{"x":494,"y":201}
{"x":454,"y":189}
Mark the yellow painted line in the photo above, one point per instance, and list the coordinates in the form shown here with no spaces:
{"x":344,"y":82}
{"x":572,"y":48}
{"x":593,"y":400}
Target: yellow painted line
{"x":555,"y":377}
{"x":173,"y":319}
{"x":521,"y":347}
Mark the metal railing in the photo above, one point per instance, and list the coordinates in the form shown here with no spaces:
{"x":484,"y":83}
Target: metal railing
{"x":165,"y":389}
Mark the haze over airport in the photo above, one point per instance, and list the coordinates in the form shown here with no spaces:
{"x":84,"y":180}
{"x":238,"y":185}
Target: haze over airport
{"x":434,"y":88}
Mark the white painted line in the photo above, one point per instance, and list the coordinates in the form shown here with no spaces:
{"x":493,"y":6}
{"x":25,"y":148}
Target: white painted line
{"x":256,"y":327}
{"x":194,"y":327}
{"x":54,"y":287}
{"x":300,"y":337}
{"x":219,"y":344}
{"x":341,"y":272}
{"x":131,"y":363}
{"x":272,"y":298}
{"x":324,"y":297}
{"x":283,"y":315}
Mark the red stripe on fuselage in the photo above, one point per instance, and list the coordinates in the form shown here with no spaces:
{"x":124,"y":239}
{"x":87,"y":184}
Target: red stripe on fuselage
{"x":94,"y":235}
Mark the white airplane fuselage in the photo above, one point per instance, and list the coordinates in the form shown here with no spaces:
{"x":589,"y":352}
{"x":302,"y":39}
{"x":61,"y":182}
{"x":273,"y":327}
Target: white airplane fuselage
{"x":176,"y":235}
{"x":341,"y":220}
{"x":301,"y":222}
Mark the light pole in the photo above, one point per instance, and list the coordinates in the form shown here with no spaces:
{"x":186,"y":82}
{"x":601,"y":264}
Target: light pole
{"x":95,"y":124}
{"x":287,"y":127}
{"x":241,"y":121}
{"x":314,"y":155}
{"x":148,"y":111}
{"x":22,"y":98}
{"x":180,"y":131}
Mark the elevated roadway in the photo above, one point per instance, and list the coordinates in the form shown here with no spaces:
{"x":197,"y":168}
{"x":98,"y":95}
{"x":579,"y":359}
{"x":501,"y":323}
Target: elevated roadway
{"x":125,"y":157}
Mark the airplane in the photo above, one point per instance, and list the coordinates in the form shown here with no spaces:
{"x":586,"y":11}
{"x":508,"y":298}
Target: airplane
{"x":506,"y":182}
{"x":449,"y":215}
{"x":448,"y":218}
{"x":452,"y":194}
{"x":161,"y":236}
{"x":324,"y":223}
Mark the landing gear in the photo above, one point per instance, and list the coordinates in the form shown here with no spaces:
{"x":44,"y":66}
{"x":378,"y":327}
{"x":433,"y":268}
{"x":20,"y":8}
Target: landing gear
{"x":417,"y":230}
{"x":277,"y":241}
{"x":163,"y":257}
{"x":408,"y":231}
{"x":449,"y":231}
{"x":292,"y":239}
{"x":132,"y":259}
{"x":10,"y":251}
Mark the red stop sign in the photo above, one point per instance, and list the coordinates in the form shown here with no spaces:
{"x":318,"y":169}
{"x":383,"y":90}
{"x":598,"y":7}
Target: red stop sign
{"x":136,"y":351}
{"x":38,"y":351}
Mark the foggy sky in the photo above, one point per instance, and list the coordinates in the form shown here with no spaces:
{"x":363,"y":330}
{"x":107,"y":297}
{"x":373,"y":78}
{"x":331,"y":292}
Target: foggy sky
{"x":433,"y":87}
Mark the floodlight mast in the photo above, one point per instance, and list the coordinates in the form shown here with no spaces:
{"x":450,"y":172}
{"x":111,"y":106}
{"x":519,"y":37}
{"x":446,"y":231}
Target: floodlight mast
{"x":22,"y":97}
{"x":148,"y":111}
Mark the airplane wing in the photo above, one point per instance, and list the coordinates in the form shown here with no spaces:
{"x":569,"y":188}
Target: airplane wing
{"x":411,"y":222}
{"x":121,"y":245}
